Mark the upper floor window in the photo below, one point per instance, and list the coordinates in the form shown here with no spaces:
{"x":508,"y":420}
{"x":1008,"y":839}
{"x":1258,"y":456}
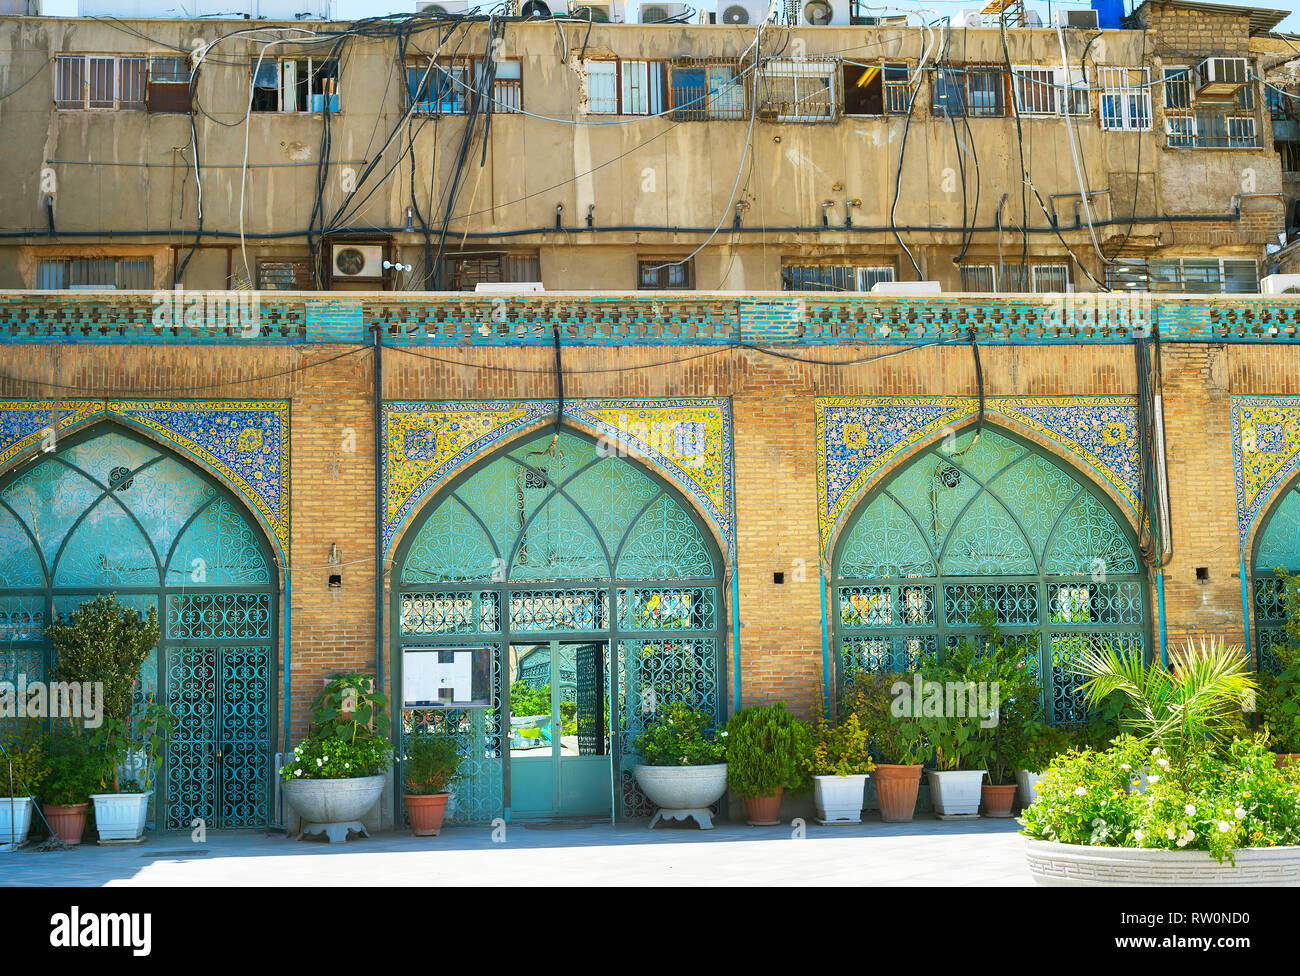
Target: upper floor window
{"x":976,"y":92}
{"x":296,"y":85}
{"x":1124,"y":102}
{"x":1050,"y":91}
{"x":665,"y":273}
{"x":1289,"y":152}
{"x":89,"y":273}
{"x":834,"y":277}
{"x":1012,"y":278}
{"x":798,"y":91}
{"x":464,"y":271}
{"x":624,"y":87}
{"x":100,"y":81}
{"x":1209,"y":276}
{"x":449,"y":86}
{"x":875,"y":89}
{"x":707,"y":90}
{"x":1195,"y":121}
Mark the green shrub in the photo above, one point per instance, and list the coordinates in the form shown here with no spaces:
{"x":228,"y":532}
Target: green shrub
{"x":895,"y":739}
{"x":526,"y":699}
{"x":333,"y":758}
{"x":840,"y":749}
{"x":767,"y":749}
{"x":681,"y":736}
{"x":75,"y":769}
{"x":25,"y":760}
{"x":348,"y":737}
{"x":432,"y":763}
{"x":105,"y":641}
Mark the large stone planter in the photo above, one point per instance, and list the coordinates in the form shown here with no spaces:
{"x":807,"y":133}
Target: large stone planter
{"x":333,"y":807}
{"x":120,"y":817}
{"x":1075,"y":864}
{"x":15,"y":821}
{"x":683,"y":791}
{"x":955,"y":793}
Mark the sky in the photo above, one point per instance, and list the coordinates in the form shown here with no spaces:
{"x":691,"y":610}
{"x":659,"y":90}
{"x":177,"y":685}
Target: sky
{"x":63,"y":8}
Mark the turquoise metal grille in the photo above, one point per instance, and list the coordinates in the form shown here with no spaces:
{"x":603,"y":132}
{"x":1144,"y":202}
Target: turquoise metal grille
{"x":569,"y":543}
{"x":1277,"y":547}
{"x":107,"y":512}
{"x":991,"y":523}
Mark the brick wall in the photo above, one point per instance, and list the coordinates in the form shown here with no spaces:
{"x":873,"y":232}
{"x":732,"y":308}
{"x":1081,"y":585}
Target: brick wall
{"x":330,"y":389}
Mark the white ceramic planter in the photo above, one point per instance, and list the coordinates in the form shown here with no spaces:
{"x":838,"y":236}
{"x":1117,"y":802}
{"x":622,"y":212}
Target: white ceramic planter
{"x":333,"y":806}
{"x":15,"y":821}
{"x":1075,"y":864}
{"x":120,"y":817}
{"x":955,"y":793}
{"x":1028,"y":783}
{"x":840,"y":799}
{"x":683,"y":791}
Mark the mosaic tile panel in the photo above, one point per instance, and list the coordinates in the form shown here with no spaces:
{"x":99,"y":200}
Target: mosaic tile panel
{"x":246,"y":442}
{"x":1265,"y":452}
{"x":689,"y":440}
{"x":857,"y":437}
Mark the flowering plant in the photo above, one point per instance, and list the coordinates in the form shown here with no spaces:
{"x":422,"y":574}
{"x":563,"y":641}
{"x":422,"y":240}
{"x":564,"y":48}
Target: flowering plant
{"x":335,"y":758}
{"x":1126,"y":797}
{"x":680,"y":736}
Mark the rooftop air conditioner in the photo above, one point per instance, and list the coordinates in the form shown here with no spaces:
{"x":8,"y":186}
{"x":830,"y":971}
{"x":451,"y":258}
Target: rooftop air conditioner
{"x":1220,"y":77}
{"x":1080,"y":19}
{"x":738,"y":13}
{"x":824,"y":13}
{"x":663,"y":13}
{"x":968,"y":18}
{"x":598,"y":13}
{"x":445,"y":8}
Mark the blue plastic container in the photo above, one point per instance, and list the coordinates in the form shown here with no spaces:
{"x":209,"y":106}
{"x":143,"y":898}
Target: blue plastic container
{"x":1110,"y":14}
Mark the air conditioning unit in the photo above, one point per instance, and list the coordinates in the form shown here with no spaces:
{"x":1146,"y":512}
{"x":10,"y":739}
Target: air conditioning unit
{"x":738,"y":13}
{"x":824,"y":13}
{"x":968,"y":18}
{"x":535,"y":8}
{"x":445,"y":8}
{"x":1220,"y":77}
{"x":662,"y":13}
{"x":1034,"y":19}
{"x":357,"y":261}
{"x":1079,"y":19}
{"x":598,"y":13}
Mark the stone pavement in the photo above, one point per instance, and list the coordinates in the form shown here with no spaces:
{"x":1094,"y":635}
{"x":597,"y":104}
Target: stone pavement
{"x":925,"y":852}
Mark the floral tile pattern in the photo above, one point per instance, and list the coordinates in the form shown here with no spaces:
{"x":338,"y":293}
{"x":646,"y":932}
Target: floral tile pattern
{"x":246,"y":442}
{"x":1265,"y":452}
{"x":857,"y":437}
{"x":689,"y":440}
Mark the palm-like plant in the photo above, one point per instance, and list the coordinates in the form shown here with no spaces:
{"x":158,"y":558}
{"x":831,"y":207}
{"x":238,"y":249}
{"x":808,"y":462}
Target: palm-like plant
{"x":1189,"y":706}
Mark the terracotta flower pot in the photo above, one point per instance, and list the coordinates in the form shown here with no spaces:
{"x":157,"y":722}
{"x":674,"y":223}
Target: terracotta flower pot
{"x":764,"y":811}
{"x":998,"y":799}
{"x":1284,"y":759}
{"x":896,"y":789}
{"x":67,"y":821}
{"x":426,"y":812}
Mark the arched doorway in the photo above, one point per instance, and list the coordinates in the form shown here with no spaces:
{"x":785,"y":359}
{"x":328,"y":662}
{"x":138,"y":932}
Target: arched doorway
{"x":999,"y":523}
{"x":1277,"y":546}
{"x":111,"y":511}
{"x":597,"y":590}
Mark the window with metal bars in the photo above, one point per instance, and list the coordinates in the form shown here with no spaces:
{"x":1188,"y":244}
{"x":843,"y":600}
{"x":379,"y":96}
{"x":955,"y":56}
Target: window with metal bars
{"x":449,"y":86}
{"x":665,"y":273}
{"x":461,"y":272}
{"x":975,"y":92}
{"x":1050,"y":91}
{"x":707,"y":90}
{"x":1209,"y":276}
{"x":1195,"y":122}
{"x":793,"y":90}
{"x":828,"y":277}
{"x":99,"y":81}
{"x":296,"y":85}
{"x":117,"y":273}
{"x":1124,"y":102}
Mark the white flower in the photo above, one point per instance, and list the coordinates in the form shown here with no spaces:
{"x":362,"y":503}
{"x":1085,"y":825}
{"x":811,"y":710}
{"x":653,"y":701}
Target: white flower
{"x":1079,"y":791}
{"x":1224,"y":826}
{"x":1241,"y":813}
{"x":1155,"y":751}
{"x":1125,"y":766}
{"x":1163,"y":762}
{"x":1190,"y":810}
{"x":317,"y":760}
{"x":1171,"y":833}
{"x":1138,"y":835}
{"x":1153,"y":779}
{"x":297,"y":772}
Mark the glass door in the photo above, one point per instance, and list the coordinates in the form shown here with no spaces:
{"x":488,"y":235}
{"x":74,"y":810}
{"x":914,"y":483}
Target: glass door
{"x":559,"y":729}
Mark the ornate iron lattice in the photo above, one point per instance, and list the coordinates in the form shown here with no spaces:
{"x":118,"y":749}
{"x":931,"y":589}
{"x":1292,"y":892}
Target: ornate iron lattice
{"x":540,"y":541}
{"x":1277,"y":547}
{"x":993,"y":524}
{"x":108,"y":512}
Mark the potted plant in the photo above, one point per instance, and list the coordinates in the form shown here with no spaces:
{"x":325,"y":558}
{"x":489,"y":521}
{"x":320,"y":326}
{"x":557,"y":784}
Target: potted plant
{"x":767,"y":750}
{"x":336,"y":774}
{"x":1019,"y":706}
{"x":839,"y":763}
{"x":1216,"y":810}
{"x":73,"y":772}
{"x":430,"y":767}
{"x":129,"y":752}
{"x":684,"y":770}
{"x":22,"y":770}
{"x":897,"y":742}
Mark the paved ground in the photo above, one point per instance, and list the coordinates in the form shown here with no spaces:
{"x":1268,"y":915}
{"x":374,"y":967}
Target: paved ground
{"x":926,"y":852}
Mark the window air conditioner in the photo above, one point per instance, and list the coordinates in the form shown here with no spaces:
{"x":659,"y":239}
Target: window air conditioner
{"x":1218,"y":77}
{"x":445,"y":8}
{"x":660,"y":13}
{"x":738,"y":13}
{"x":1079,"y":19}
{"x":357,"y":260}
{"x":598,"y":13}
{"x":824,"y":13}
